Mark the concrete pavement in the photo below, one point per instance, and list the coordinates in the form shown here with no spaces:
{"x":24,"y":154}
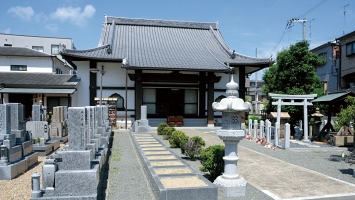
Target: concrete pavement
{"x":279,"y":179}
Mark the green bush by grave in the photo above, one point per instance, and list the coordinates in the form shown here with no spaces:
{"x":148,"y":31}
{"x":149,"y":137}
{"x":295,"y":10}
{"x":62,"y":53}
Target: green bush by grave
{"x":212,"y":161}
{"x":193,"y":146}
{"x":167,"y":132}
{"x":177,"y":138}
{"x":161,"y":127}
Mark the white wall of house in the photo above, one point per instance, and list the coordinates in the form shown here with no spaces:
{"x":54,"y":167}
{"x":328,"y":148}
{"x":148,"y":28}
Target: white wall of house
{"x":31,"y":41}
{"x":34,"y":64}
{"x":83,"y":87}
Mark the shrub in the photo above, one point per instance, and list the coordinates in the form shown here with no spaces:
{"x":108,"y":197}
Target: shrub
{"x":161,"y":127}
{"x":254,"y":117}
{"x":193,"y":147}
{"x":167,"y":132}
{"x":212,"y":161}
{"x":177,"y":138}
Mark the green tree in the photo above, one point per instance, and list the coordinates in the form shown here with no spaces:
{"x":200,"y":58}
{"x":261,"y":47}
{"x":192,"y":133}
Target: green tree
{"x":346,"y":115}
{"x":293,"y":74}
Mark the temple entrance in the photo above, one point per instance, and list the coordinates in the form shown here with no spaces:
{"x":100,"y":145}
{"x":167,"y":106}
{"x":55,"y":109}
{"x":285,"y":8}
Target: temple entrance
{"x":163,"y":102}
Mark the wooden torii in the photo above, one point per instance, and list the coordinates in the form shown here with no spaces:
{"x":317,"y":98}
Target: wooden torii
{"x":292,"y":98}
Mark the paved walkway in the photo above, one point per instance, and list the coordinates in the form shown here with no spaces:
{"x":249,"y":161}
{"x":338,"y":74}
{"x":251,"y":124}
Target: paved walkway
{"x":274,"y":177}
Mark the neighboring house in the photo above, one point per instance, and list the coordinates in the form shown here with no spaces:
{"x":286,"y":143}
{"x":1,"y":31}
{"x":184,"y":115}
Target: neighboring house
{"x":255,"y":95}
{"x":329,"y":73}
{"x":28,"y":76}
{"x":347,"y":58}
{"x":176,"y":68}
{"x":49,"y":45}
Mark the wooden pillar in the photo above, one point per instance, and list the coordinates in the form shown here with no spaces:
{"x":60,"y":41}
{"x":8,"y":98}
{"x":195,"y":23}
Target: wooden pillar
{"x":93,"y":83}
{"x":241,"y":83}
{"x":138,"y":94}
{"x":242,"y":89}
{"x":69,"y":100}
{"x":210,"y":99}
{"x":202,"y":95}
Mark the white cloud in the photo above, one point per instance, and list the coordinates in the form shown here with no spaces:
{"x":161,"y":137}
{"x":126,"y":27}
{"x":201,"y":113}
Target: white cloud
{"x":40,"y":17}
{"x":6,"y":31}
{"x":52,"y":27}
{"x":74,"y":15}
{"x":25,"y":13}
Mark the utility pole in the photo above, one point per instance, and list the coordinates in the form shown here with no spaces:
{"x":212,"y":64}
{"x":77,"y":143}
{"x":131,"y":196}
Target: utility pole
{"x":293,"y":20}
{"x":256,"y":86}
{"x":310,"y":30}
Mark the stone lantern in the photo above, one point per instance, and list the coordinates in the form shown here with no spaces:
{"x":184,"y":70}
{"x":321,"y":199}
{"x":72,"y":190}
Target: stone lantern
{"x":231,"y":133}
{"x":317,"y":122}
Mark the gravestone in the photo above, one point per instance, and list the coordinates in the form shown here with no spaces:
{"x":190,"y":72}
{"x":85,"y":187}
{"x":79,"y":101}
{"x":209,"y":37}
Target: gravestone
{"x":142,"y":125}
{"x":5,"y":125}
{"x":73,"y":173}
{"x":40,"y":130}
{"x":17,"y":121}
{"x":16,"y":150}
{"x":58,"y":128}
{"x":77,"y":137}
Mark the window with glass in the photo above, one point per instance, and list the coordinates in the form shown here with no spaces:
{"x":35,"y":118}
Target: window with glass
{"x":55,"y":49}
{"x":350,"y":49}
{"x":18,"y":67}
{"x":38,"y":48}
{"x":120,"y":101}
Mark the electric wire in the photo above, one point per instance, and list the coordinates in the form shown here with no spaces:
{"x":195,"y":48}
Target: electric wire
{"x":289,"y":25}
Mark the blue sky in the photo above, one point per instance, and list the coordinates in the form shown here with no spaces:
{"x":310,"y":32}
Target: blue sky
{"x":251,"y":27}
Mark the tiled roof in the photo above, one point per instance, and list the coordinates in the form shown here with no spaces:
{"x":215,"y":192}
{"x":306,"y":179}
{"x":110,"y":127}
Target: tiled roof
{"x":38,"y":80}
{"x":21,"y":51}
{"x":161,"y":44}
{"x":333,"y":97}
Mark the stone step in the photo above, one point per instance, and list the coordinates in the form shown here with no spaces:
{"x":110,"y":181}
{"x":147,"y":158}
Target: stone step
{"x":171,"y":176}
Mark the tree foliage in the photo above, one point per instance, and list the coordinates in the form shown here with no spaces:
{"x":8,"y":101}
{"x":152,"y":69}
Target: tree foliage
{"x":293,"y":74}
{"x":346,"y":115}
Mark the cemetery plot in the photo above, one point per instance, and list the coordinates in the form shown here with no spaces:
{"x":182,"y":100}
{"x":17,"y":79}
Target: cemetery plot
{"x":75,"y":171}
{"x":16,"y":151}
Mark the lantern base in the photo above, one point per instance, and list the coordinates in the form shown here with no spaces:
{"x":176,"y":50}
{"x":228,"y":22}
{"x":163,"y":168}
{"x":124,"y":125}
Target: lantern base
{"x":231,"y":187}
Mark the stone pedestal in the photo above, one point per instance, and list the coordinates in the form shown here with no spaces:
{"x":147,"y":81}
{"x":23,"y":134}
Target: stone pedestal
{"x":231,"y":184}
{"x":142,"y":125}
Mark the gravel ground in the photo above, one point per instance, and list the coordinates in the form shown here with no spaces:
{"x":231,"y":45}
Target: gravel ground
{"x":127,"y":179}
{"x":20,"y":187}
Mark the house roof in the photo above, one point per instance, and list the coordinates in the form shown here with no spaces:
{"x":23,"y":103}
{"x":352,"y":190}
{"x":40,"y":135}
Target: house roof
{"x":21,"y":51}
{"x":162,"y":44}
{"x":284,"y":115}
{"x":330,"y":98}
{"x":37,"y":80}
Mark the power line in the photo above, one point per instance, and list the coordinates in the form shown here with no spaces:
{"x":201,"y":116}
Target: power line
{"x":290,"y":24}
{"x":311,"y":9}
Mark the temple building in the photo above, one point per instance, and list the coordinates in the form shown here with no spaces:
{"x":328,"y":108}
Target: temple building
{"x":175,"y":68}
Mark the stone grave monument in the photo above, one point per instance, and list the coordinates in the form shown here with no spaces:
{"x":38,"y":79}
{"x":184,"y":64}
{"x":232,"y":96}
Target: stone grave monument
{"x":103,"y":129}
{"x":142,"y":125}
{"x":58,"y":127}
{"x":16,"y":150}
{"x":39,"y":131}
{"x":230,"y":183}
{"x":74,"y":171}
